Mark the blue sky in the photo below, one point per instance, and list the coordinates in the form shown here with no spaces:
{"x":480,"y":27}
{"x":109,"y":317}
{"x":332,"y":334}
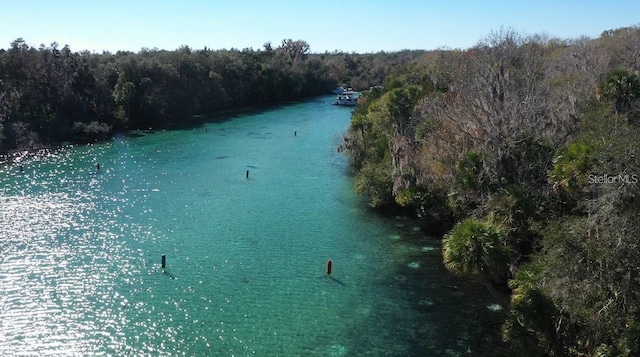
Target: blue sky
{"x":327,"y":25}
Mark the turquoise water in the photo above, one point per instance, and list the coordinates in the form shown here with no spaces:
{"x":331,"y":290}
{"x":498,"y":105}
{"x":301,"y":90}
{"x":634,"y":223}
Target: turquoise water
{"x":80,"y":249}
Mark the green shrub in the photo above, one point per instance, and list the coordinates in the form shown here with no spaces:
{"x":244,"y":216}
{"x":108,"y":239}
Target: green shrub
{"x":477,"y":247}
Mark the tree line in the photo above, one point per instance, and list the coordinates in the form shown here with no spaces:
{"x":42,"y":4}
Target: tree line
{"x":50,"y":95}
{"x":522,"y":153}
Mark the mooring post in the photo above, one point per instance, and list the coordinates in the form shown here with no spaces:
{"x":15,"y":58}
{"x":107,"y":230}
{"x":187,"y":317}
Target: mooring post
{"x":164,"y":261}
{"x":329,"y":267}
{"x":98,"y":166}
{"x":247,"y":173}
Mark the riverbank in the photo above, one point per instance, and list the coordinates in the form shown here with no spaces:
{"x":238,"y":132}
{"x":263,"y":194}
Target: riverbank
{"x":191,"y":122}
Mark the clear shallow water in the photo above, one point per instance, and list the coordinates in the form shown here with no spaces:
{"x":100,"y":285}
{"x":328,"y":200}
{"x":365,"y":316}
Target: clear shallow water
{"x":246,"y":258}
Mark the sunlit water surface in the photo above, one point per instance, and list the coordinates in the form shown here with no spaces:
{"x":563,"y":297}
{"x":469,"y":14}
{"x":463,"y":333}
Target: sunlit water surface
{"x":80,"y":249}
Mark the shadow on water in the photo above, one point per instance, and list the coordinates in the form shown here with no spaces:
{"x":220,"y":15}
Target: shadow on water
{"x":460,"y":304}
{"x":135,"y":134}
{"x":221,"y":116}
{"x":337,"y":281}
{"x":192,"y":122}
{"x":171,"y":276}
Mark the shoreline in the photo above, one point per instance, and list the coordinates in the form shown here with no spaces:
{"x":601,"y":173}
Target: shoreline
{"x":192,"y":122}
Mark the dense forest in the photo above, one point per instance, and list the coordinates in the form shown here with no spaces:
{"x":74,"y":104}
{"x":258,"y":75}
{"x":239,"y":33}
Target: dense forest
{"x":50,"y":95}
{"x":522,"y":152}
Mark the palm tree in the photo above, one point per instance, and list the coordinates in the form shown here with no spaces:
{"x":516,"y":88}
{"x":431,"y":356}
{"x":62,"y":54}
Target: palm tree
{"x":477,"y":247}
{"x":622,"y":88}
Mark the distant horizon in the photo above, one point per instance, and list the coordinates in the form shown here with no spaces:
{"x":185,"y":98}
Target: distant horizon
{"x":275,"y":44}
{"x":365,"y":27}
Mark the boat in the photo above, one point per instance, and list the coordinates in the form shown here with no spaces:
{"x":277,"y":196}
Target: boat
{"x":347,"y":97}
{"x":346,"y":100}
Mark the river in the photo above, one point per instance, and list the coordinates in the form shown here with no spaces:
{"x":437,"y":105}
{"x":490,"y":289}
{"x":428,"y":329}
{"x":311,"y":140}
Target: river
{"x":247,"y":209}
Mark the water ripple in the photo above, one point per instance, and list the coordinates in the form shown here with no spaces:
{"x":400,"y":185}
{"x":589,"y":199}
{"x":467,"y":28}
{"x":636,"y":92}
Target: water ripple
{"x":60,"y":267}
